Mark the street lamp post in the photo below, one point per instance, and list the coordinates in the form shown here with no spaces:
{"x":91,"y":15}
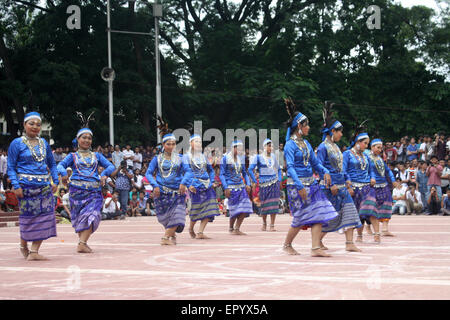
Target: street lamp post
{"x":157,"y":13}
{"x":110,"y":82}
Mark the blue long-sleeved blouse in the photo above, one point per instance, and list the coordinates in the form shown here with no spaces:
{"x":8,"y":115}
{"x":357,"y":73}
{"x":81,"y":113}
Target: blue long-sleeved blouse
{"x":174,"y":170}
{"x":198,"y":169}
{"x":21,"y":161}
{"x":358,"y":170}
{"x":330,"y":160}
{"x":85,"y":170}
{"x":233,"y":173}
{"x":381,"y":169}
{"x":268,"y":169}
{"x":295,"y":165}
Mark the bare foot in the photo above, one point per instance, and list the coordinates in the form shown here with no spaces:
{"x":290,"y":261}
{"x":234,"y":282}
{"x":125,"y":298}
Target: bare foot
{"x":351,"y":247}
{"x":369,"y":230}
{"x":83,"y":248}
{"x":192,"y":233}
{"x":376,"y":238}
{"x":319,"y":253}
{"x":174,"y":240}
{"x":264,"y":227}
{"x":289,"y":250}
{"x":200,"y":235}
{"x":231,"y":230}
{"x":238,"y":233}
{"x":272,"y":228}
{"x":387,"y":234}
{"x":166,"y":242}
{"x":25,"y":252}
{"x":359,"y":238}
{"x":322,"y":246}
{"x":34,"y":256}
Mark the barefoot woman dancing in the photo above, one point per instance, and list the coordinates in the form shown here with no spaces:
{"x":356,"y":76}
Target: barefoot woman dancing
{"x":309,"y":206}
{"x":232,"y":175}
{"x":204,"y":206}
{"x":269,"y":183}
{"x":330,"y":157}
{"x":169,"y":187}
{"x":29,"y":158}
{"x":85,"y":195}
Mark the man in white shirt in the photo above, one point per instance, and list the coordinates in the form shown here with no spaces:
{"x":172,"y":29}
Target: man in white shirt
{"x":137,"y":160}
{"x":128,"y":155}
{"x":3,"y":162}
{"x":414,"y":199}
{"x":111,"y":207}
{"x":280,"y":155}
{"x":399,"y":196}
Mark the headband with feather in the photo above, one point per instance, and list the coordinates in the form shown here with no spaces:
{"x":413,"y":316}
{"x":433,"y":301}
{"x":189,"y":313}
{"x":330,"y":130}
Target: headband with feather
{"x":164,"y":131}
{"x":328,"y":123}
{"x":358,"y":132}
{"x":84,"y":123}
{"x":294,"y":119}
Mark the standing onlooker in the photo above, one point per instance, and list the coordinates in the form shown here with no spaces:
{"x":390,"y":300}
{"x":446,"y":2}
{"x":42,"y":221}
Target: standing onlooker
{"x":117,"y":156}
{"x":58,"y":155}
{"x":423,"y":149}
{"x":128,"y":155}
{"x":414,"y":199}
{"x":280,"y":156}
{"x":411,"y":150}
{"x":412,"y":172}
{"x":107,"y":153}
{"x":399,"y":196}
{"x":422,"y":181}
{"x":137,"y":160}
{"x":123,"y":184}
{"x":401,"y":151}
{"x":440,"y":147}
{"x":391,"y":153}
{"x":434,"y":173}
{"x":403,"y":174}
{"x":445,"y":177}
{"x":147,"y":156}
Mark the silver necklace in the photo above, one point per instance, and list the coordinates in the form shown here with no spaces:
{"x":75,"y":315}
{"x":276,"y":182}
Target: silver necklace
{"x":335,"y":155}
{"x":41,"y":147}
{"x":361,"y":159}
{"x":161,"y":163}
{"x":303,"y":148}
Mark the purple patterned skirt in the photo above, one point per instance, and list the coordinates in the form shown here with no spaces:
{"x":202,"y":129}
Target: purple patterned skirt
{"x":316,"y":209}
{"x":171,"y":210}
{"x":85,"y":208}
{"x":378,"y":203}
{"x":360,"y":195}
{"x":270,"y":197}
{"x":239,"y":202}
{"x":37,"y":219}
{"x":204,"y":205}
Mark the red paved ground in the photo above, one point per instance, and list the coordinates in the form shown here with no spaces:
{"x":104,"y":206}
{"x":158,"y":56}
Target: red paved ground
{"x":129,"y":263}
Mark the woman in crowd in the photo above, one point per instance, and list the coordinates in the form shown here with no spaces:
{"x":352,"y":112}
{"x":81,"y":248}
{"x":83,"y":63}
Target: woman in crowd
{"x":204,"y":206}
{"x":270,"y":176}
{"x":169,"y":187}
{"x":237,"y":187}
{"x":29,"y":159}
{"x":309,"y":206}
{"x":85,"y":195}
{"x":330,"y":156}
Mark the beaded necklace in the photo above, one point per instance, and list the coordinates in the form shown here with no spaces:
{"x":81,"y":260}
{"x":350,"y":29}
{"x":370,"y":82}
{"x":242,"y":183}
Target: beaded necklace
{"x":237,"y":167}
{"x":41,"y":147}
{"x":93,"y":164}
{"x":199,"y":166}
{"x":173,"y":161}
{"x":361,"y":159}
{"x":334,"y":155}
{"x":303,"y":148}
{"x":268,"y":160}
{"x":379,"y":164}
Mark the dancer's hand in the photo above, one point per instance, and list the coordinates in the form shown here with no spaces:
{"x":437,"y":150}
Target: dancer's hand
{"x":64,"y":179}
{"x":372,"y":182}
{"x":395,"y":184}
{"x":249,"y":190}
{"x":103,"y":180}
{"x":350,"y":190}
{"x":334,"y":190}
{"x":327,"y":179}
{"x":192,"y":189}
{"x":182,"y":189}
{"x":54,"y":188}
{"x":18,"y":193}
{"x":303,"y":194}
{"x":227,"y":193}
{"x":156,"y":192}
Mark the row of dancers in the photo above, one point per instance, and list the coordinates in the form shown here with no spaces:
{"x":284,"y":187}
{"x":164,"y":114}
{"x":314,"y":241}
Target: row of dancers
{"x":353,"y":187}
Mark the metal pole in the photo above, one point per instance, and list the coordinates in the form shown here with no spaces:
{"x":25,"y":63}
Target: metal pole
{"x":110,"y":83}
{"x":158,"y":73}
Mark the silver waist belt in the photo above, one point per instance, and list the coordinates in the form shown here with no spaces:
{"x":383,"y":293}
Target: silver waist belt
{"x":268,"y":183}
{"x":305,"y":181}
{"x":340,"y":186}
{"x":85,"y":184}
{"x":380,"y":185}
{"x":359,"y":184}
{"x":169,"y":190}
{"x":204,"y":182}
{"x":38,"y":177}
{"x":236,"y":187}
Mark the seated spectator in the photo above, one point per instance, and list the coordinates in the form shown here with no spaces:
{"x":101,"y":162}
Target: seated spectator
{"x":133,"y":209}
{"x":414,"y":199}
{"x":11,"y":202}
{"x":445,"y":205}
{"x":111,"y":208}
{"x":225,"y":206}
{"x":399,"y":196}
{"x":137,"y":180}
{"x":150,"y":207}
{"x":62,"y":204}
{"x":402,"y":174}
{"x":434,"y":204}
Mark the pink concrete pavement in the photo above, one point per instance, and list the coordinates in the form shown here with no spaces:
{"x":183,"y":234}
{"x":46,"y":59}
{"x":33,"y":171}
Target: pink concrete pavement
{"x":129,"y":263}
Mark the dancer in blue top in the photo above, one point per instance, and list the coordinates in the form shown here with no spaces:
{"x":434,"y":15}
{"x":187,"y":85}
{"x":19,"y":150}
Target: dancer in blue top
{"x":330,"y":156}
{"x":204,"y":206}
{"x":360,"y":172}
{"x":379,"y":200}
{"x":29,"y":159}
{"x":269,"y":183}
{"x":169,"y":187}
{"x":236,"y":184}
{"x":309,"y":206}
{"x":85,"y":185}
